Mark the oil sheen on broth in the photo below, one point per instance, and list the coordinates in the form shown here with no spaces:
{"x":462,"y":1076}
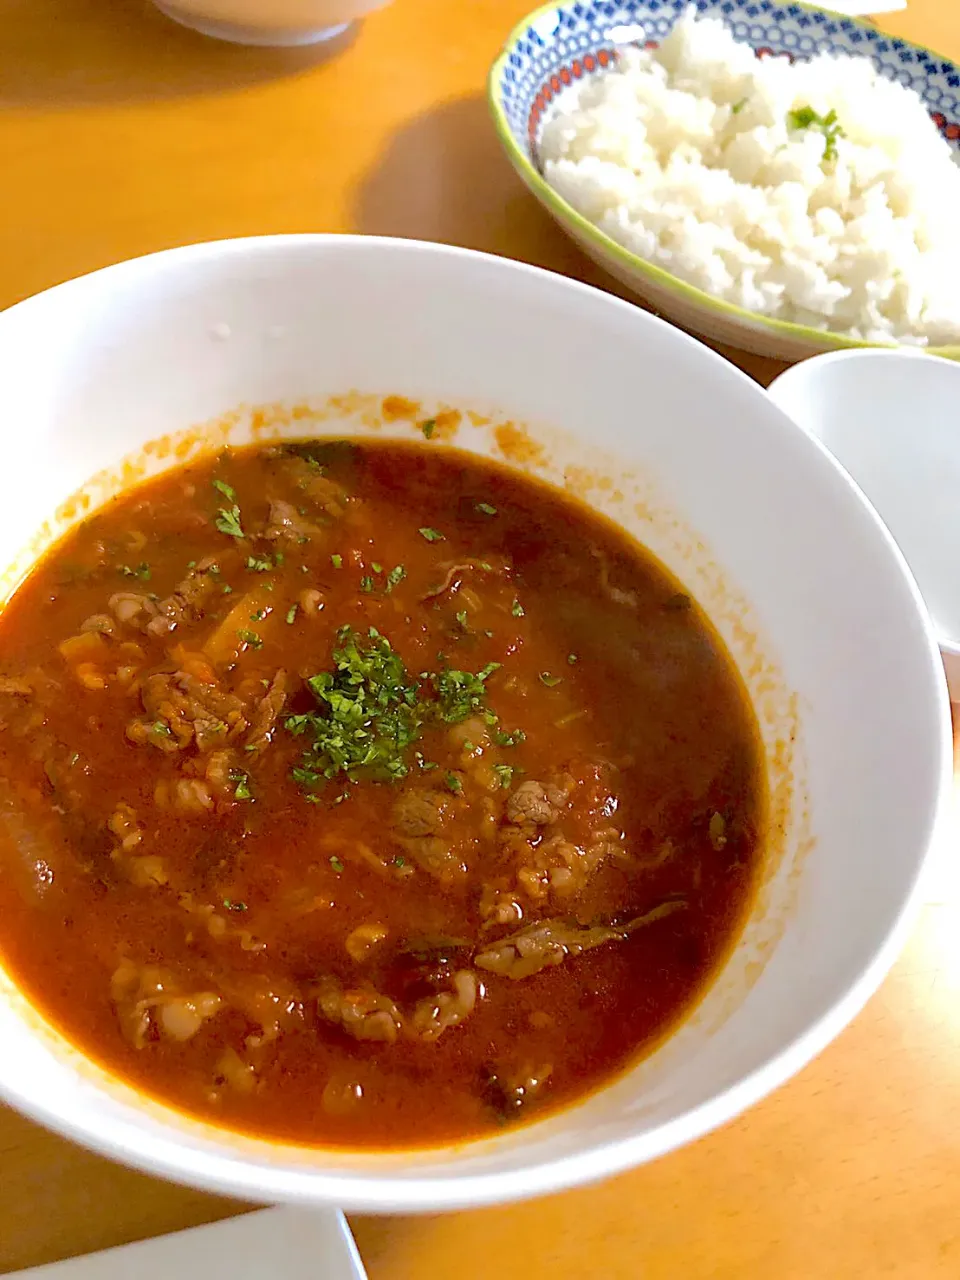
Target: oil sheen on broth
{"x":366,"y":794}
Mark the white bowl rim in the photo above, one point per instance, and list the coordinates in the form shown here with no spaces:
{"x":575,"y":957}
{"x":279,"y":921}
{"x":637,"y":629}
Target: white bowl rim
{"x":805,"y":369}
{"x":242,"y":1177}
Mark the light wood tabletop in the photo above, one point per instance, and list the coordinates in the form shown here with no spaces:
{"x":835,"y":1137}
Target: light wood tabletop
{"x":121,"y":134}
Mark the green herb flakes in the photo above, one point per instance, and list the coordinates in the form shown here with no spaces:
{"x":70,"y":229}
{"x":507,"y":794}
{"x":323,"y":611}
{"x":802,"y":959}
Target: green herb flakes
{"x":141,"y":571}
{"x":241,"y":781}
{"x":453,"y":783}
{"x":428,"y":427}
{"x":250,"y":638}
{"x":337,"y":561}
{"x":395,"y":576}
{"x":459,"y":693}
{"x":291,"y":614}
{"x":807,"y":118}
{"x":336,"y":863}
{"x":431,"y":535}
{"x":367,"y":713}
{"x":549,"y":680}
{"x":222,"y":487}
{"x":234,"y":906}
{"x":228,"y":522}
{"x":517,"y":609}
{"x":485,"y":509}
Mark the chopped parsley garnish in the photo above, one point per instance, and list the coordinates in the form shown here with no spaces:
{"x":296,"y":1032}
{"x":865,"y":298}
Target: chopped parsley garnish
{"x":241,"y":783}
{"x":367,"y":713}
{"x":234,"y":906}
{"x":228,"y":522}
{"x":573,"y":659}
{"x":399,"y":860}
{"x":517,"y":609}
{"x":807,"y":118}
{"x":75,"y":758}
{"x":250,"y":638}
{"x":395,"y":576}
{"x":485,"y":509}
{"x":461,"y":692}
{"x":513,"y":739}
{"x":431,"y":535}
{"x":225,"y":489}
{"x":428,"y":427}
{"x":141,"y":571}
{"x":377,"y":568}
{"x":366,"y":583}
{"x":336,"y":863}
{"x":463,"y":619}
{"x":738,"y":106}
{"x":291,"y":614}
{"x":226,"y":589}
{"x":337,"y":561}
{"x":259,"y":615}
{"x":259,"y":565}
{"x":370,"y":711}
{"x":505,"y":773}
{"x":454,"y":783}
{"x":549,"y":680}
{"x":161,"y":727}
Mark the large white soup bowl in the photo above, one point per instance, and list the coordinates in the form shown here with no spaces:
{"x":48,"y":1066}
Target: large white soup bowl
{"x":793,"y":566}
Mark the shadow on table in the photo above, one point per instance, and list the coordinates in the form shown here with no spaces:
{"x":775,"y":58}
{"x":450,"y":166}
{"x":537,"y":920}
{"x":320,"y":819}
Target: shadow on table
{"x":68,"y":53}
{"x":444,"y":176}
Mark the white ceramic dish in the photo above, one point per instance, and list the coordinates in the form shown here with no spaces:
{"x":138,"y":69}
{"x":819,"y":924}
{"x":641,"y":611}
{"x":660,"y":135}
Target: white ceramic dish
{"x":891,"y":419}
{"x":753,"y":515}
{"x":268,"y":22}
{"x":279,"y":1244}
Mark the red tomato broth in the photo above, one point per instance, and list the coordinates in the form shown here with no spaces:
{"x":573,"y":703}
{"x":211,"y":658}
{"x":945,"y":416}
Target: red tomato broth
{"x":229,"y":914}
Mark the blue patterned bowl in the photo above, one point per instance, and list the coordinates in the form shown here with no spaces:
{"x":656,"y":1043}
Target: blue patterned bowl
{"x":554,"y":47}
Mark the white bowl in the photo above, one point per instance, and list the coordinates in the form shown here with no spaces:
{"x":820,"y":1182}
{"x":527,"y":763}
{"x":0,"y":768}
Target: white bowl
{"x":753,"y":515}
{"x":890,"y":418}
{"x":268,"y":22}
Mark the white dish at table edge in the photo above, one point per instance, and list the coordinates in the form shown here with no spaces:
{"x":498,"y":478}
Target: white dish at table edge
{"x":888,"y":417}
{"x":765,"y":529}
{"x":272,"y":1244}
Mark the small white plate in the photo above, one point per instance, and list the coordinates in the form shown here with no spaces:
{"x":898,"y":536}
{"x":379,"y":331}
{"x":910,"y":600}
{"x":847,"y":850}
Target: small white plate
{"x":892,"y":420}
{"x":272,"y":1244}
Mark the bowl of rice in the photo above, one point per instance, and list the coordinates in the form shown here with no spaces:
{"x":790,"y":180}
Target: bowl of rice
{"x":774,"y":177}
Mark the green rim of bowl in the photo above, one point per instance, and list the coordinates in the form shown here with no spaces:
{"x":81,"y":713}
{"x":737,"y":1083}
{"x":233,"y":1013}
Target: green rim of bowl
{"x":586,"y":230}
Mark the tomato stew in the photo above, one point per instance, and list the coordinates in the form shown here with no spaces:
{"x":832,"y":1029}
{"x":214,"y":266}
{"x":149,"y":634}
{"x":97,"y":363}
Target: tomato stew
{"x":367,"y":794}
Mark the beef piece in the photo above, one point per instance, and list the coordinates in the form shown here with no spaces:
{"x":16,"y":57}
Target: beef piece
{"x":186,"y":601}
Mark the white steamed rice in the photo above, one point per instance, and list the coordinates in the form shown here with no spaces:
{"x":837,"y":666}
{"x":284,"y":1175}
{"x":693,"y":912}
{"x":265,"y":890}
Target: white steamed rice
{"x":686,"y":155}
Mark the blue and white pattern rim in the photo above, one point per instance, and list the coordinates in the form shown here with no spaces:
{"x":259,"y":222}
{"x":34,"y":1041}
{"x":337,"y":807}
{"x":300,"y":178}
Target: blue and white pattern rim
{"x":564,"y":43}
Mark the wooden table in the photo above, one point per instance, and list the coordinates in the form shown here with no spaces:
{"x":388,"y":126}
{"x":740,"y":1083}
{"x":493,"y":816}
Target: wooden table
{"x":122,"y":134}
